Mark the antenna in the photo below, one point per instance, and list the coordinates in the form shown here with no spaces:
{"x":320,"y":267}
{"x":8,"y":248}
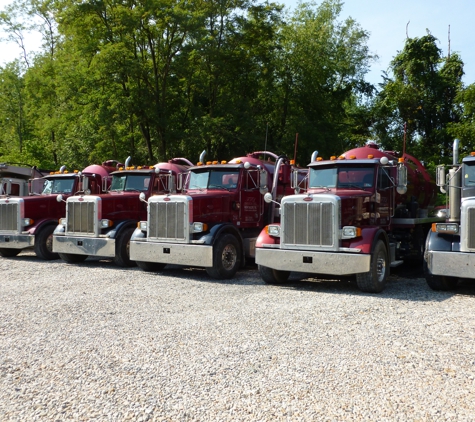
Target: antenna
{"x":295,"y":147}
{"x":404,"y":144}
{"x":449,"y":42}
{"x":265,"y":145}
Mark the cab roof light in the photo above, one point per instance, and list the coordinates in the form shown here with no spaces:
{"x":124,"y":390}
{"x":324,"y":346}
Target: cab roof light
{"x":224,"y":162}
{"x":208,"y":163}
{"x":370,"y":156}
{"x":199,"y":163}
{"x":333,"y":158}
{"x":352,"y":157}
{"x":215,"y":162}
{"x":319,"y":158}
{"x":472,"y":154}
{"x":341,"y":157}
{"x":238,"y":161}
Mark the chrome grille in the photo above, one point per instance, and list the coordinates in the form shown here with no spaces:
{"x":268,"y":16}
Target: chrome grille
{"x":81,"y":217}
{"x":167,"y":220}
{"x":9,"y":216}
{"x":471,"y":228}
{"x":310,"y":222}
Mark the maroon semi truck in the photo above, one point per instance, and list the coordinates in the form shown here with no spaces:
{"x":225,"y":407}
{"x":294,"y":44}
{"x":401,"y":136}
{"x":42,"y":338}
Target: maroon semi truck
{"x":101,"y":225}
{"x":362,"y":213}
{"x":14,"y":179}
{"x":29,"y":221}
{"x":215,"y":222}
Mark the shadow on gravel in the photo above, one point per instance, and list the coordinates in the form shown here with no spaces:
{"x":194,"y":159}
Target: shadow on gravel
{"x":405,"y":282}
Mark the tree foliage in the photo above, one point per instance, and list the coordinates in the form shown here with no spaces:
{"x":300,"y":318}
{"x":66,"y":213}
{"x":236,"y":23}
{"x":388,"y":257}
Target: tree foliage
{"x":419,"y":102}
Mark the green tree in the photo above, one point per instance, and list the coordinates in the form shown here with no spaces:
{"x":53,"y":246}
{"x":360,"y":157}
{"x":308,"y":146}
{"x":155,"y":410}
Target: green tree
{"x":420,"y":99}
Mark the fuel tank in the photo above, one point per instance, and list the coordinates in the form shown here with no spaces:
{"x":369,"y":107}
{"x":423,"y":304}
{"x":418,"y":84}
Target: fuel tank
{"x":421,"y":187}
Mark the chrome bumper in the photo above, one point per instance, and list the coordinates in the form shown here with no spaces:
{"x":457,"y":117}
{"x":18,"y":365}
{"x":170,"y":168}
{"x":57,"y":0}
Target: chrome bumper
{"x":172,"y":253}
{"x":93,"y":246}
{"x":451,"y":264}
{"x":333,"y":263}
{"x":16,"y":241}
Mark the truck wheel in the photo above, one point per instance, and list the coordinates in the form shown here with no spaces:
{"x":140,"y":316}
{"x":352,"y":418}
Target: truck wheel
{"x":44,"y":244}
{"x":439,"y":282}
{"x":374,"y":280}
{"x":271,"y":276}
{"x":151,"y":267}
{"x":226,"y":258}
{"x":122,"y":249}
{"x":9,"y":252}
{"x":72,"y":258}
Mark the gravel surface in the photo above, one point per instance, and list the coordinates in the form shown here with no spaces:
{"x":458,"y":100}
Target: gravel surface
{"x":96,"y":342}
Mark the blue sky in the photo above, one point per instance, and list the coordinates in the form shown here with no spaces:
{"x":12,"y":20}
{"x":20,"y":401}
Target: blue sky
{"x":386,"y":22}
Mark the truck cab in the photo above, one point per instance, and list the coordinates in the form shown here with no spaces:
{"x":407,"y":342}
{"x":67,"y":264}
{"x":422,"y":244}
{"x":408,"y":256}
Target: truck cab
{"x":450,"y":244}
{"x":215,"y":222}
{"x":101,"y":225}
{"x":360,"y":215}
{"x":29,"y":222}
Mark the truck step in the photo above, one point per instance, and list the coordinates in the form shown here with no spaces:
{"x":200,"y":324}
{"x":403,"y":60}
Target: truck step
{"x":396,"y":263}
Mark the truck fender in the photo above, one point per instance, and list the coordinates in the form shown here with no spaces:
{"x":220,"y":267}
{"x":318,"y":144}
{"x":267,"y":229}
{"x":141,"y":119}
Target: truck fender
{"x":439,"y":242}
{"x":138,"y":234}
{"x":40,"y":224}
{"x":368,"y":239}
{"x":266,"y":239}
{"x":115,"y":232}
{"x":217,"y":230}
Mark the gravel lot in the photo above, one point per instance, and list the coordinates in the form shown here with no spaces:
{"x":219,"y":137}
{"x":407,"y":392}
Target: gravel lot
{"x":97,"y":342}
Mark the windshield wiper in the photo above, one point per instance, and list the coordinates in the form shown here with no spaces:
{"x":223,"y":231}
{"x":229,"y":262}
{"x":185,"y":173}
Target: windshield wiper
{"x":218,"y":187}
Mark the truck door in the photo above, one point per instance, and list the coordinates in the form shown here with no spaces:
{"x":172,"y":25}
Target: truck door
{"x":385,"y":192}
{"x":251,"y":199}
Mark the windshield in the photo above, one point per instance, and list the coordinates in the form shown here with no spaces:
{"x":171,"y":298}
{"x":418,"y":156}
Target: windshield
{"x":58,"y":185}
{"x":213,"y":179}
{"x":342,"y":177}
{"x":469,"y":174}
{"x":130,"y":182}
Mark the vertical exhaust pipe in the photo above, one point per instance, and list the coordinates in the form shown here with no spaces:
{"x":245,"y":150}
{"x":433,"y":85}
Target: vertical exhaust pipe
{"x":455,"y":186}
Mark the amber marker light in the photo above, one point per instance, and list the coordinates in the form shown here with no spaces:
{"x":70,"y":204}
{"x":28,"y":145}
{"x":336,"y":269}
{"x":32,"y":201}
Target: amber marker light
{"x":319,"y":159}
{"x":400,"y":160}
{"x":333,"y":158}
{"x":370,"y":156}
{"x":224,"y":162}
{"x":472,"y":154}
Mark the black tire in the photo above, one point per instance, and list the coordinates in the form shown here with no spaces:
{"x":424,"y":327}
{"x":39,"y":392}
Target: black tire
{"x":122,"y":249}
{"x":9,"y":252}
{"x":72,"y":258}
{"x":375,"y":279}
{"x":44,"y":244}
{"x":439,"y":282}
{"x":226,"y":258}
{"x":151,"y":267}
{"x":271,"y":276}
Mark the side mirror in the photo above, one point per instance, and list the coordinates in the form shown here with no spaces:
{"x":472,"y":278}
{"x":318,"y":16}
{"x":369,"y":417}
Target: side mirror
{"x":171,"y":183}
{"x":142,"y":197}
{"x":440,"y":178}
{"x":268,"y":197}
{"x":401,"y":179}
{"x":59,"y":198}
{"x":179,"y":182}
{"x":263,"y":181}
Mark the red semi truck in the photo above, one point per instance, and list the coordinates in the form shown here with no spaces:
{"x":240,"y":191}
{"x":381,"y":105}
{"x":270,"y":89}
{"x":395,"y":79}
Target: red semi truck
{"x":14,"y":179}
{"x":29,"y":221}
{"x":215,"y":222}
{"x":363,"y":212}
{"x":450,"y":245}
{"x":101,"y":225}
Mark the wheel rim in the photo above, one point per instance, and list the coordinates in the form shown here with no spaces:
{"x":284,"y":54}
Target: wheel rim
{"x":381,"y":267}
{"x":229,"y":257}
